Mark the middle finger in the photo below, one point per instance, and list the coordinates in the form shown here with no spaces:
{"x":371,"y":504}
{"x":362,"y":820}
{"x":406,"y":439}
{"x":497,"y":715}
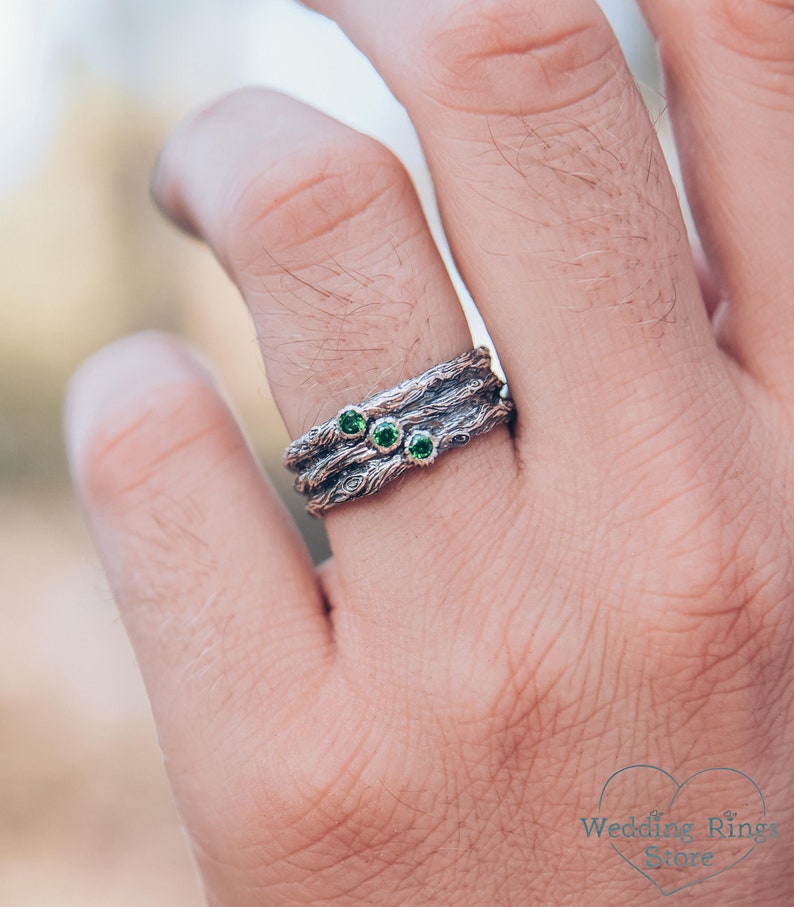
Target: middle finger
{"x":558,"y":206}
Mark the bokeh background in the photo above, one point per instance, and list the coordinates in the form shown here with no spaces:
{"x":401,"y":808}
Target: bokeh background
{"x":88,"y":89}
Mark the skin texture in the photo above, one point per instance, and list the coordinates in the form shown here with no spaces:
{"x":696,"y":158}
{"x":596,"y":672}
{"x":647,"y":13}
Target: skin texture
{"x":425,"y":719}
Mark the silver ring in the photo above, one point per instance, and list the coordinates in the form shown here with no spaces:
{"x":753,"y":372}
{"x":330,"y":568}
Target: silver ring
{"x":367,"y":445}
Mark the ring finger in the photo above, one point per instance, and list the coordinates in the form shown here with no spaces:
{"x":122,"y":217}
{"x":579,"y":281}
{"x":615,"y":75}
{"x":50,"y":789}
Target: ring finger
{"x":320,"y":228}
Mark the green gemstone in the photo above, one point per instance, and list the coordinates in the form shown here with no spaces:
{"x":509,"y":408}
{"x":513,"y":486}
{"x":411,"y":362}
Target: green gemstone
{"x":386,"y":434}
{"x":351,"y":422}
{"x":421,"y":446}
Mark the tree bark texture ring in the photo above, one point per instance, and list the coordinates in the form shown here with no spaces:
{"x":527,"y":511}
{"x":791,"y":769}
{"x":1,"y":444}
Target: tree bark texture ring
{"x":367,"y":445}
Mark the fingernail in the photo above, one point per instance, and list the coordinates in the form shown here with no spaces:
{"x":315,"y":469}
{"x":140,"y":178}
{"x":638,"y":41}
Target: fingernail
{"x":155,"y":181}
{"x":166,"y":202}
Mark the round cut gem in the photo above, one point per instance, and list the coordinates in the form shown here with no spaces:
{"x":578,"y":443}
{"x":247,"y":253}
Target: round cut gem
{"x":421,"y":447}
{"x":351,"y":422}
{"x":385,"y":434}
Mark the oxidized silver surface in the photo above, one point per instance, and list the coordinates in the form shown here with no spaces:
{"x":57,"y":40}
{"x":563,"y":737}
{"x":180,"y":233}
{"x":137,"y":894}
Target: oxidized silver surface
{"x":452,"y":402}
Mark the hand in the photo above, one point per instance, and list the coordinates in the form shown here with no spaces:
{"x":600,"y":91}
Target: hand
{"x":426,"y":718}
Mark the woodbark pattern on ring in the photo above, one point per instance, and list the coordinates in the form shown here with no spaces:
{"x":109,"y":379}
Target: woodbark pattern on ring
{"x":442,"y":408}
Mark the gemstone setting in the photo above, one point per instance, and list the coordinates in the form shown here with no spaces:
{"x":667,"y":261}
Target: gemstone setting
{"x":421,"y":448}
{"x":351,"y":422}
{"x":385,"y":434}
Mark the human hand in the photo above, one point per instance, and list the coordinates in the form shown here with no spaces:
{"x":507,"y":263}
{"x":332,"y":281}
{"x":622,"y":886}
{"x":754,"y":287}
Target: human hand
{"x":425,"y":719}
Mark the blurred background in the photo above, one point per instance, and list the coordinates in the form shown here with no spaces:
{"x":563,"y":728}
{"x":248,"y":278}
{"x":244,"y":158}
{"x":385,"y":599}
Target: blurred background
{"x":88,"y":90}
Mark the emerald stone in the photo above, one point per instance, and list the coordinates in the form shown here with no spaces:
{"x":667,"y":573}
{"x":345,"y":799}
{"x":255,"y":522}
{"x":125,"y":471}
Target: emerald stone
{"x":421,"y":446}
{"x":351,"y":422}
{"x":385,"y":434}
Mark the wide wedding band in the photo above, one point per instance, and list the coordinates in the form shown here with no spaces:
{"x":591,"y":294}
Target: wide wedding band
{"x":369,"y":444}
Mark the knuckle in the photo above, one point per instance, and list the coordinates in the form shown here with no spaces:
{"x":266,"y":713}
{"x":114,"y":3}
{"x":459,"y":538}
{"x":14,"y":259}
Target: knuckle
{"x":761,"y":30}
{"x":318,"y":190}
{"x":140,"y":456}
{"x":506,"y":56}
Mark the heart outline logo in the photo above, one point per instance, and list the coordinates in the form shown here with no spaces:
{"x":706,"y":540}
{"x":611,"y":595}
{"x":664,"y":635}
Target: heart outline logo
{"x":678,"y":789}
